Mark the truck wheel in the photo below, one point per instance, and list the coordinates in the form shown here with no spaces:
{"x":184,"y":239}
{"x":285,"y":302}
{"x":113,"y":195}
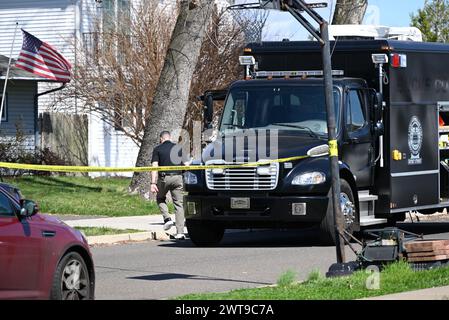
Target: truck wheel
{"x":348,"y":208}
{"x":204,"y":234}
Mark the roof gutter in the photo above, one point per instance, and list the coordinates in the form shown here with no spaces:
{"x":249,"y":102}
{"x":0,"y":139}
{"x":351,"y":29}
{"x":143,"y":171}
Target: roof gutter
{"x":52,"y":90}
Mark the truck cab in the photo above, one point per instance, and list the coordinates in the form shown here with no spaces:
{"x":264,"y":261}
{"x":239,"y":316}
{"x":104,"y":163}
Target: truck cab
{"x":293,"y":193}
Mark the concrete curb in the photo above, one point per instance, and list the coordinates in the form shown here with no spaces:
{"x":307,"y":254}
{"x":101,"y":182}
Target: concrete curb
{"x":436,"y":293}
{"x":128,"y":237}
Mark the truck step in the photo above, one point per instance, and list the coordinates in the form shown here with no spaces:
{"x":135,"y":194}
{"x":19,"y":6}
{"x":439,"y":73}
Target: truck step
{"x":365,"y":196}
{"x":371,"y":221}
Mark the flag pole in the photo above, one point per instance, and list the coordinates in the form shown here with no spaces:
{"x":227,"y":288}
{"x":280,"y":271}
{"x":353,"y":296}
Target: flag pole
{"x":7,"y":74}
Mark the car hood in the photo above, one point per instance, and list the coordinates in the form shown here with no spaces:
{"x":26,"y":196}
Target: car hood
{"x":289,"y":144}
{"x":48,"y":219}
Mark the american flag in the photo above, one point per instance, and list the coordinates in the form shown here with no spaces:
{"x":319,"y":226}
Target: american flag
{"x":40,"y":58}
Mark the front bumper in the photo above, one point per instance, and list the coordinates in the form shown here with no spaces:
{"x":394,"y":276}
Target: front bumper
{"x":264,"y":211}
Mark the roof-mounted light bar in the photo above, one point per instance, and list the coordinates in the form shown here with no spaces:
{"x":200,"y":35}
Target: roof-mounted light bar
{"x":247,"y":60}
{"x":303,"y":73}
{"x":379,"y":58}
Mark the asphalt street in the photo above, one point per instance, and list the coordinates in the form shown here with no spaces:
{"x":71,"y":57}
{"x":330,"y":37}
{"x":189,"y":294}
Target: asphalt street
{"x":163,"y":270}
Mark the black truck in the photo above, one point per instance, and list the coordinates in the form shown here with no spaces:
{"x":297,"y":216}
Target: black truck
{"x":392,"y":108}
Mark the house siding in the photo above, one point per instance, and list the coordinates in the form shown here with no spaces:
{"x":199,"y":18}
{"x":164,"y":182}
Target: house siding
{"x":21,"y":112}
{"x":61,"y":23}
{"x":109,"y":147}
{"x":52,"y":21}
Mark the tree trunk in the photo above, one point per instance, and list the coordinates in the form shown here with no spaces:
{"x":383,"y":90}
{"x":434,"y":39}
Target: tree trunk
{"x":172,"y":93}
{"x":349,"y":11}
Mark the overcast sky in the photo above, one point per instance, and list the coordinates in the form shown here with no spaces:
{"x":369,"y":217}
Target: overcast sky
{"x":394,"y":13}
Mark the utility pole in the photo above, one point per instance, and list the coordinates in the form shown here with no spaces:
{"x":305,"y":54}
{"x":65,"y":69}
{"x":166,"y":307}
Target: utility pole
{"x":297,"y":8}
{"x":333,"y":146}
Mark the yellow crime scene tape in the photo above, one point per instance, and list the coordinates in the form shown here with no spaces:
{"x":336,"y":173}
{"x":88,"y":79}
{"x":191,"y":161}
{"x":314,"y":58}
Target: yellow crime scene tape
{"x":73,"y":169}
{"x":333,"y":148}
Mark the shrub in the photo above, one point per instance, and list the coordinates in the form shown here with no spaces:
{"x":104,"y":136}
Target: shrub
{"x":15,"y":150}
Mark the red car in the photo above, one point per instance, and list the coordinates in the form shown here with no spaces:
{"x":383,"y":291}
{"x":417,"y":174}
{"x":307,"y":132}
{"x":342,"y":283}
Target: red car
{"x":40,"y":256}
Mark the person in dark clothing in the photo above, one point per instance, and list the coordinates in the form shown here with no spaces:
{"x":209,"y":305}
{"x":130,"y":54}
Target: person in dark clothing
{"x":168,"y":181}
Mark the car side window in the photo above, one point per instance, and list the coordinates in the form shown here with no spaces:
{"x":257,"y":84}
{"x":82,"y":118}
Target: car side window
{"x":355,"y":115}
{"x":6,"y":208}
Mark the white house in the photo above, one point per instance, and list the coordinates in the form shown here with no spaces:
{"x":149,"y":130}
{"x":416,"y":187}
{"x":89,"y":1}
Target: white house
{"x":62,"y":23}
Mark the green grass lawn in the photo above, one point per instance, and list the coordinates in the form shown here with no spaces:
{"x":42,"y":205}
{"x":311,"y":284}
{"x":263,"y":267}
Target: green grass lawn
{"x":395,"y":278}
{"x":102,"y":231}
{"x":83,"y":196}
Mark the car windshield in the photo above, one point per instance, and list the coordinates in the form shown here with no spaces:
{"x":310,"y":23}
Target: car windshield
{"x":300,"y":108}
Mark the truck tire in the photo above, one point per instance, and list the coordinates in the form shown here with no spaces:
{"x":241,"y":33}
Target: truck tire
{"x":327,"y":228}
{"x":204,"y":234}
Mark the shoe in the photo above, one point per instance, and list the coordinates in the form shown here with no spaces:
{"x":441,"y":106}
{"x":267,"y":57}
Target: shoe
{"x":180,"y":236}
{"x":168,"y":224}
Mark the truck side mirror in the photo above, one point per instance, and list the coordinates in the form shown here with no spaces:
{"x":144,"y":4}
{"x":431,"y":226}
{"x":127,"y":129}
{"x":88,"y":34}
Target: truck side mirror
{"x":377,"y":106}
{"x":379,"y":129}
{"x":208,"y":111}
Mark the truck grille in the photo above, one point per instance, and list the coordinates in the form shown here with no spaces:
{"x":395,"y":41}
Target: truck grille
{"x":243,"y":178}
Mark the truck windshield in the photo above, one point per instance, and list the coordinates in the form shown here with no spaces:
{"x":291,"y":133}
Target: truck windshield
{"x":300,"y":108}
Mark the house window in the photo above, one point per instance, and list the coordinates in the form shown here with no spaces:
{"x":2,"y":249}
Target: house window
{"x":108,"y":15}
{"x":116,"y":15}
{"x":116,"y":25}
{"x":128,"y":118}
{"x":5,"y":108}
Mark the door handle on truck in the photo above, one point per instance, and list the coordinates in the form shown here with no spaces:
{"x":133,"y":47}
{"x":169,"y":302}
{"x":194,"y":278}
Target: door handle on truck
{"x":353,"y":140}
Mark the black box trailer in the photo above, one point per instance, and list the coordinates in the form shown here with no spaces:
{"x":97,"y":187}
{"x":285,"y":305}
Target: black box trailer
{"x":396,"y":161}
{"x":416,"y":86}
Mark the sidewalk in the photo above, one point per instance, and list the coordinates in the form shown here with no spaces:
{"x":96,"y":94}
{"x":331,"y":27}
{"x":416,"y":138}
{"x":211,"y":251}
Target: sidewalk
{"x":440,"y":293}
{"x":152,"y":227}
{"x":143,"y":223}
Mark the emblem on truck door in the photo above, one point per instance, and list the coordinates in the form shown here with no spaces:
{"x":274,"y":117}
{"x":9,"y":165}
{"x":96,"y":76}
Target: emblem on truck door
{"x":415,"y":139}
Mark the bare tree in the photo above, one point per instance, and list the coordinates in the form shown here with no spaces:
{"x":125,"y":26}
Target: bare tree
{"x":218,"y":64}
{"x":119,"y":64}
{"x":349,"y":11}
{"x":172,"y":92}
{"x":251,"y":22}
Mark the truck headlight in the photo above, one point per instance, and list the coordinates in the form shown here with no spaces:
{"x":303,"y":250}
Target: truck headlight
{"x":309,"y":178}
{"x":190,"y":178}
